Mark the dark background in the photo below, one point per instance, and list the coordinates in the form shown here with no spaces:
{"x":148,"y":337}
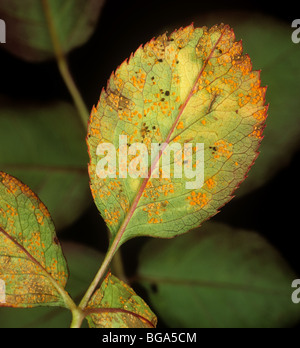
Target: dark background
{"x":272,"y":210}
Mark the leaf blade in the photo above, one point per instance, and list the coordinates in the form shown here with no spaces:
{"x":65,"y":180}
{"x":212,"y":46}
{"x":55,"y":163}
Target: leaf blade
{"x":199,"y":77}
{"x":83,"y":262}
{"x":32,"y":264}
{"x":115,"y":305}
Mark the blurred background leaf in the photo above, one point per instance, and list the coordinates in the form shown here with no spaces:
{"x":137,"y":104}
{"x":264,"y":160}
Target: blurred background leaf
{"x":44,"y":147}
{"x":28,"y":32}
{"x":83,"y":263}
{"x":217,"y":276}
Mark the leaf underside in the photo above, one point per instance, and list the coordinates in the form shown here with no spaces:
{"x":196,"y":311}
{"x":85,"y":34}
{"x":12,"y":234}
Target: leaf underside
{"x":194,"y":86}
{"x":32,"y":264}
{"x":116,"y":305}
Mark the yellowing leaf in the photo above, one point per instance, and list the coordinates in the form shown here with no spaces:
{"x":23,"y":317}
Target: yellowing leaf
{"x":32,"y":265}
{"x":116,"y":305}
{"x":196,"y":87}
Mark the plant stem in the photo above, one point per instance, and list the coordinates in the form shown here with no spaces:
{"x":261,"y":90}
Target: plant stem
{"x":80,"y":105}
{"x":64,"y":68}
{"x":117,"y":263}
{"x":100,"y":274}
{"x":77,"y":318}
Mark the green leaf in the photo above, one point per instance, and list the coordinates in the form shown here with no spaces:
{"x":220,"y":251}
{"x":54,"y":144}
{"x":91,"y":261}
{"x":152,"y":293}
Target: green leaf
{"x":43,"y":145}
{"x":32,"y":264}
{"x":83,"y":263}
{"x":218,"y":276}
{"x":278,"y":58}
{"x":28,"y":34}
{"x":116,"y":305}
{"x":195,"y":87}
